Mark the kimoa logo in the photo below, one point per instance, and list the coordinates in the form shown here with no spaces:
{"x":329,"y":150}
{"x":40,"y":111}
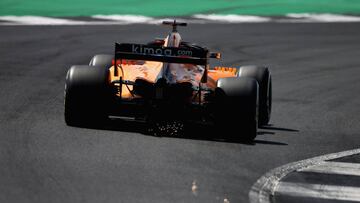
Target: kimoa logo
{"x":139,"y":49}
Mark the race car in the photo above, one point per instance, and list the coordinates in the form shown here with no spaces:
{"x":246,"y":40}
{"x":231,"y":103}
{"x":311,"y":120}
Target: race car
{"x":169,"y":81}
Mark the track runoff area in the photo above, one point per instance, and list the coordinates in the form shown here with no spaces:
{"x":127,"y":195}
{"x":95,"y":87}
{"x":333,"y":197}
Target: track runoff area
{"x":107,"y":12}
{"x":328,"y":178}
{"x":195,"y":19}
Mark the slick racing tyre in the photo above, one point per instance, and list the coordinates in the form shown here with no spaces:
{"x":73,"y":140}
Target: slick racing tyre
{"x":87,"y":95}
{"x":102,"y":60}
{"x":263,"y":77}
{"x":237,"y":107}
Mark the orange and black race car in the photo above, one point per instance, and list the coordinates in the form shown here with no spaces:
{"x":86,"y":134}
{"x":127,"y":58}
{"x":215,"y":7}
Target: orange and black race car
{"x":169,"y":80}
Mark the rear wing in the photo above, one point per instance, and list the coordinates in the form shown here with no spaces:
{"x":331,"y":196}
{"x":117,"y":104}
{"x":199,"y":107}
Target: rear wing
{"x":186,"y":55}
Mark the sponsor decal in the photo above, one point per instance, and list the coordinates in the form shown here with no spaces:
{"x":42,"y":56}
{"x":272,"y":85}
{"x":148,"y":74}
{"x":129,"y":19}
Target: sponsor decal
{"x":147,"y":50}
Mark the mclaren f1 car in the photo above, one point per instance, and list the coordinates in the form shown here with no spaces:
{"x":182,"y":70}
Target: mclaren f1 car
{"x":169,"y":80}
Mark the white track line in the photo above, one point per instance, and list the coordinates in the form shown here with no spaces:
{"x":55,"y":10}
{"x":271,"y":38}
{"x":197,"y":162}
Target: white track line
{"x":125,"y":18}
{"x":39,"y":20}
{"x":107,"y":20}
{"x":264,"y":188}
{"x":338,"y":168}
{"x":330,"y":192}
{"x":324,"y":18}
{"x":233,"y":18}
{"x":137,"y":19}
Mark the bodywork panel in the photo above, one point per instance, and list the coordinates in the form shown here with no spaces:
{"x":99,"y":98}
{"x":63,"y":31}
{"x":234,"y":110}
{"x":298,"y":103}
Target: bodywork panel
{"x":178,"y":73}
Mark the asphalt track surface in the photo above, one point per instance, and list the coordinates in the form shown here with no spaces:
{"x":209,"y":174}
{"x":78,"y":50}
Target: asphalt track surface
{"x":316,"y":83}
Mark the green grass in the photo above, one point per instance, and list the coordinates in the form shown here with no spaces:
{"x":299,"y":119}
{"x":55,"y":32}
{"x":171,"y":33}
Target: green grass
{"x":158,"y":8}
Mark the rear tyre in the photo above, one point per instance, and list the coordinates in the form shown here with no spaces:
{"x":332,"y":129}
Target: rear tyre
{"x":102,"y":60}
{"x":87,"y":96}
{"x":237,"y":108}
{"x":263,"y":77}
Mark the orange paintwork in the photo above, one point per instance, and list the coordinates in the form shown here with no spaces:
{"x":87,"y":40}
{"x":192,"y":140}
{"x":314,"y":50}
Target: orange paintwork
{"x":149,"y":70}
{"x":217,"y":74}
